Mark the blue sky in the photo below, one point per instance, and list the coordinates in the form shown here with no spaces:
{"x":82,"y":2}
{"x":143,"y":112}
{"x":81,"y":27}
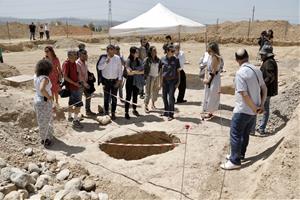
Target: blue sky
{"x":202,"y":11}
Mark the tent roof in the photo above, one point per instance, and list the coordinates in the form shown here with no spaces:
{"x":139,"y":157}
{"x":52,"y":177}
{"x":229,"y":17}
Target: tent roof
{"x":157,"y":20}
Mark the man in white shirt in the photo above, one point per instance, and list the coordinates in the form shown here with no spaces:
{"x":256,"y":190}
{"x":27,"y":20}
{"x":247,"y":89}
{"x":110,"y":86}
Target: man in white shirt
{"x":250,"y":96}
{"x":47,"y":31}
{"x":111,"y":70}
{"x":182,"y":86}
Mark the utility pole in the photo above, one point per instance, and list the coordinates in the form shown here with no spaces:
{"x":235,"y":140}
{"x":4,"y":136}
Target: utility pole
{"x":109,"y":18}
{"x":253,"y":11}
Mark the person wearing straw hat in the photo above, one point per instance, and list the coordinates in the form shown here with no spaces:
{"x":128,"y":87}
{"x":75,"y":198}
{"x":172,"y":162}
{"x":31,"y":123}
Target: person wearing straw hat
{"x":71,"y":77}
{"x":250,"y":96}
{"x":270,"y":74}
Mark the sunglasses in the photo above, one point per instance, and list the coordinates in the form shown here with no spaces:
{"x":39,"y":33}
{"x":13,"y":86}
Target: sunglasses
{"x":46,"y":51}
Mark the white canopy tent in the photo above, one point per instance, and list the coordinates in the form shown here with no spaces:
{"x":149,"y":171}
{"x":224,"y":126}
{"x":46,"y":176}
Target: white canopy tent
{"x":157,"y":20}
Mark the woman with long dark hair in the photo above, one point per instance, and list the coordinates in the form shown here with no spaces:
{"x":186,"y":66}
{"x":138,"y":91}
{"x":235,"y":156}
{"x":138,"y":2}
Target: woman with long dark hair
{"x":135,"y":80}
{"x":56,"y":73}
{"x":212,"y":81}
{"x":152,"y":74}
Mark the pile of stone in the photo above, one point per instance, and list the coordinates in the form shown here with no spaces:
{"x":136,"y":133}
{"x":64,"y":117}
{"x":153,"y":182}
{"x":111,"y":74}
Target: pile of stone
{"x":43,"y":181}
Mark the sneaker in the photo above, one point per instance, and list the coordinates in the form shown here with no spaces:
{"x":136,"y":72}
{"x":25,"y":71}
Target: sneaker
{"x":182,"y":101}
{"x":228,"y":165}
{"x":261,"y":132}
{"x":90,"y":113}
{"x":77,"y":124}
{"x":113,"y":116}
{"x":70,"y":119}
{"x":136,"y":113}
{"x":164,"y":114}
{"x":127,"y":116}
{"x":228,"y":157}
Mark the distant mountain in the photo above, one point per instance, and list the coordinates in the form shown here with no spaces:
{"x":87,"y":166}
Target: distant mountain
{"x":72,"y":21}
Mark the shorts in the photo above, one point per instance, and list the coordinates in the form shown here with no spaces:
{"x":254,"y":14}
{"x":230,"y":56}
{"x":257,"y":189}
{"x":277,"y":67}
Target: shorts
{"x":75,"y":98}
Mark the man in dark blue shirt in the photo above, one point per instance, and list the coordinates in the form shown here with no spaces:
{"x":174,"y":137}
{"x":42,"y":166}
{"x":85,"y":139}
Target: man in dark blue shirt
{"x":171,"y":78}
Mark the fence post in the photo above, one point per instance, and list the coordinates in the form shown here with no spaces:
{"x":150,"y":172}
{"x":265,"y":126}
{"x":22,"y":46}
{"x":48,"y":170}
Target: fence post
{"x":249,"y":27}
{"x":67,"y":28}
{"x":8,"y":33}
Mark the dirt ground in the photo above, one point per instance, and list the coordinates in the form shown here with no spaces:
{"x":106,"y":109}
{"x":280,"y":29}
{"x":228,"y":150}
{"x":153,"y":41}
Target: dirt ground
{"x":271,"y":169}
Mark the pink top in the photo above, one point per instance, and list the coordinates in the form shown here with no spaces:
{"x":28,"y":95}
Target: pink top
{"x":82,"y":69}
{"x":55,"y":75}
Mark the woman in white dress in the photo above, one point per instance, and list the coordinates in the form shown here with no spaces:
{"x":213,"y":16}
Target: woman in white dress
{"x":212,"y":81}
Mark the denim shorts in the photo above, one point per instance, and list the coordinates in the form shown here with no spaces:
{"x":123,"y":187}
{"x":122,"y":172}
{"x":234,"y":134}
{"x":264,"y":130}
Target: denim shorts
{"x":75,"y":98}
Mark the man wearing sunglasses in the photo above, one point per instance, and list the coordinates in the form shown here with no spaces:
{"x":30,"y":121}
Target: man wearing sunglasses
{"x":171,"y":79}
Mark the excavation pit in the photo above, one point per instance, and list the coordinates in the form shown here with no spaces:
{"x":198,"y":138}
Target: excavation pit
{"x":130,"y":147}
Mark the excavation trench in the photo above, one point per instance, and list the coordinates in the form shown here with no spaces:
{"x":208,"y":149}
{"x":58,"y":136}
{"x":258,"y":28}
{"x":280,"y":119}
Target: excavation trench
{"x":163,"y":143}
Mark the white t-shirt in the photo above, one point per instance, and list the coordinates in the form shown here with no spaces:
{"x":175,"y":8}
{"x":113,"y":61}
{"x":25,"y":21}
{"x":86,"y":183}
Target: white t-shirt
{"x":181,"y":58}
{"x":39,"y":97}
{"x":250,"y":81}
{"x":154,"y":70}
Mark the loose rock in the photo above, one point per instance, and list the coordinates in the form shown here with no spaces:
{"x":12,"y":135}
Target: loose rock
{"x":30,"y":188}
{"x":28,"y":152}
{"x":72,"y":196}
{"x":42,"y":181}
{"x":63,"y":174}
{"x":32,"y":167}
{"x":103,"y":196}
{"x":20,"y":179}
{"x":73,"y":185}
{"x":2,"y":163}
{"x":89,"y":185}
{"x":34,"y":175}
{"x":12,"y":196}
{"x":51,"y":158}
{"x":23,"y":194}
{"x":60,"y":195}
{"x":8,"y":188}
{"x":84,"y":195}
{"x":94,"y":196}
{"x":1,"y":196}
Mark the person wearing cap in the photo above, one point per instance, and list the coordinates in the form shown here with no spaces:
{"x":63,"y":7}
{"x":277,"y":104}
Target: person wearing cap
{"x":182,"y":86}
{"x":171,"y":79}
{"x":83,"y":74}
{"x":250,"y":96}
{"x":71,"y":77}
{"x":270,"y":74}
{"x":111,"y":70}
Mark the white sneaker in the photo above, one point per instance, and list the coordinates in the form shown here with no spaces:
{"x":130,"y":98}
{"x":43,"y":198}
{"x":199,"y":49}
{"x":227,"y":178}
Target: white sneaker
{"x":228,"y":157}
{"x":228,"y":165}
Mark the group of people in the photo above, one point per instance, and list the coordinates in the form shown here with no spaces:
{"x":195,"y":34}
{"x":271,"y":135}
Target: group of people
{"x":144,"y":73}
{"x":43,"y":29}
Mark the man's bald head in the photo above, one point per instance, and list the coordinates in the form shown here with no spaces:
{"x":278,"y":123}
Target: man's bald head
{"x":241,"y":56}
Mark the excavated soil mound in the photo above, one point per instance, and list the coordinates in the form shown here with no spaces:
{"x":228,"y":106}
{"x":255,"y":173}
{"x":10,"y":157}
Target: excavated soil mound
{"x":7,"y":71}
{"x":139,"y":152}
{"x":66,"y":43}
{"x":282,"y":107}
